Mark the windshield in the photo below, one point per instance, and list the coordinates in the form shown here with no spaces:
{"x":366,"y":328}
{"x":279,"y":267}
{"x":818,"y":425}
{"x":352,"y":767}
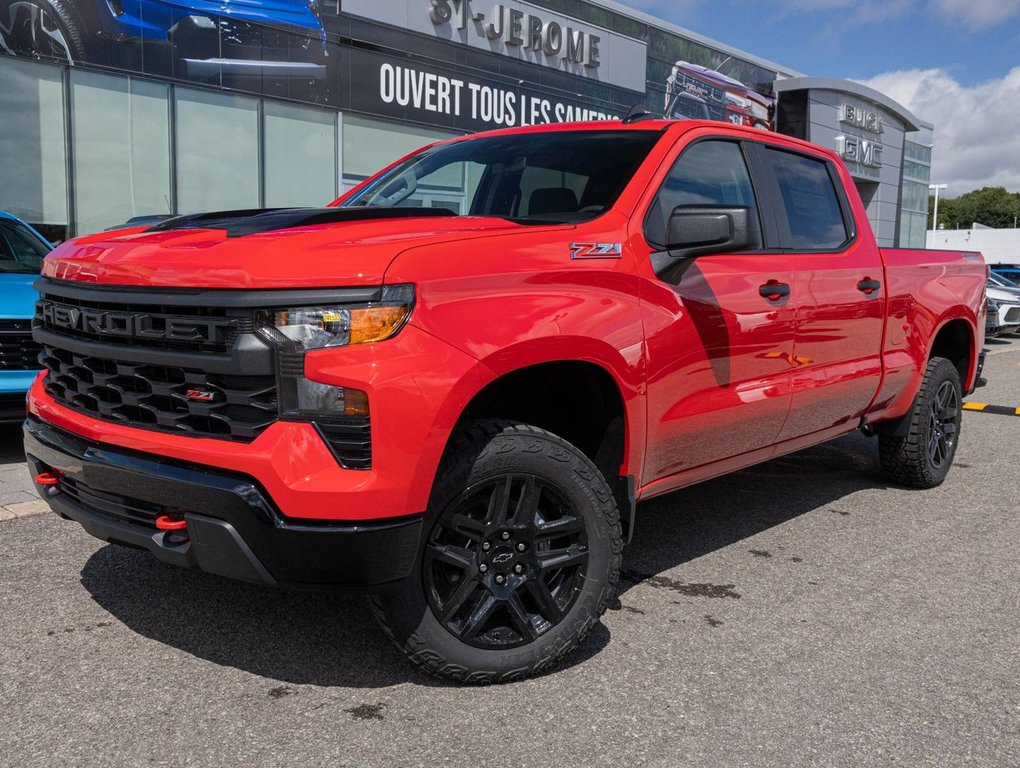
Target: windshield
{"x":1000,"y":280}
{"x":20,"y":251}
{"x":557,"y":177}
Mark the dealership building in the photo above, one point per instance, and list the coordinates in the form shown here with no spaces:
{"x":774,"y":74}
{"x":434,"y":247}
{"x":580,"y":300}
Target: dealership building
{"x":115,"y":109}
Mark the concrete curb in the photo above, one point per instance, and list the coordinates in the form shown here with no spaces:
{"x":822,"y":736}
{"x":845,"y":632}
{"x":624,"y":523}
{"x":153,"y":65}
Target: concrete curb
{"x":23,"y":509}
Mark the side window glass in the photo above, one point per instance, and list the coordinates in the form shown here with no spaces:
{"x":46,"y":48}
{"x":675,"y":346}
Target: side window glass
{"x":19,"y":251}
{"x":810,"y":202}
{"x":707,"y":173}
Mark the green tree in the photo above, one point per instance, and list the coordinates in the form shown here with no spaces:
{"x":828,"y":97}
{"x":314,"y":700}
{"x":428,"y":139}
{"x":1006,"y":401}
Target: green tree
{"x":992,"y":206}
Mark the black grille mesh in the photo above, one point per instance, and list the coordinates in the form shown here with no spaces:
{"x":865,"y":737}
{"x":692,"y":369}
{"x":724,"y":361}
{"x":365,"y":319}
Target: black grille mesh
{"x":166,"y":398}
{"x":17,"y":350}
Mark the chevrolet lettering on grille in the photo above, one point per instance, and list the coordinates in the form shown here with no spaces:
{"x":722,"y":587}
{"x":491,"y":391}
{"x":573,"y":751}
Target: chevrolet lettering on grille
{"x":132,"y":324}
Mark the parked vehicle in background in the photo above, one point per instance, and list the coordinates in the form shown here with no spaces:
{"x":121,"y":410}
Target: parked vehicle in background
{"x":458,"y":412}
{"x":1010,"y":272}
{"x":21,"y":256}
{"x":696,"y":92}
{"x":1003,"y":310}
{"x":995,"y":280}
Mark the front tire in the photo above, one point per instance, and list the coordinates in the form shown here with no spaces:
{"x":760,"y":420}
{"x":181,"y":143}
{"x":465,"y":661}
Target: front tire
{"x":521,"y":557}
{"x":922,"y":458}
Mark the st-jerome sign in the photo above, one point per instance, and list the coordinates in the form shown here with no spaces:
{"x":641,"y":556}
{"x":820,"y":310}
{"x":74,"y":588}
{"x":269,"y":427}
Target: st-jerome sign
{"x":519,"y":30}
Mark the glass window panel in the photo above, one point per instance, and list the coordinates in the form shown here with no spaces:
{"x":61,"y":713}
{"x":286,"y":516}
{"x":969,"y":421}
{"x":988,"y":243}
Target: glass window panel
{"x":20,"y":251}
{"x":121,"y":130}
{"x":300,"y":155}
{"x":812,"y":208}
{"x":217,"y":151}
{"x":708,"y":173}
{"x":916,"y":170}
{"x":917,"y":151}
{"x":33,"y":160}
{"x":371,"y":145}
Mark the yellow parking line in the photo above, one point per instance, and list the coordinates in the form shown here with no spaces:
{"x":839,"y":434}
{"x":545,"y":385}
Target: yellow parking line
{"x":1001,"y":410}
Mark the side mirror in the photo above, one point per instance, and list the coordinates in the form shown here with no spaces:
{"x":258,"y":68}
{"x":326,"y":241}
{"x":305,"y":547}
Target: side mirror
{"x":696,"y":230}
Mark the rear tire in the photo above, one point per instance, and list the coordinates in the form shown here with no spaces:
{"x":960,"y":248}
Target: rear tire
{"x":923,"y":457}
{"x":520,"y":557}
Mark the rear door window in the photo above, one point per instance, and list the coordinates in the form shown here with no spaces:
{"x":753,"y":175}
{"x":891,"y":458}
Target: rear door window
{"x":810,"y":204}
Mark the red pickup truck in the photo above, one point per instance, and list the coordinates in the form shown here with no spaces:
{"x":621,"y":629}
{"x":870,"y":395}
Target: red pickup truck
{"x":451,"y":387}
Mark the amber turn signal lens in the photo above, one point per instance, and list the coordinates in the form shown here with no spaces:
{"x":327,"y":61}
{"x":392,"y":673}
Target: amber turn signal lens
{"x":376,"y":323}
{"x":355,"y":403}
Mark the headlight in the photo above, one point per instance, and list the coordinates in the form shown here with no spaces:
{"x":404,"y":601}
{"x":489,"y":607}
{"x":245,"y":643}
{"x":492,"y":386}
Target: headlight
{"x":294,"y":331}
{"x":739,"y":101}
{"x":993,"y":306}
{"x":298,"y":329}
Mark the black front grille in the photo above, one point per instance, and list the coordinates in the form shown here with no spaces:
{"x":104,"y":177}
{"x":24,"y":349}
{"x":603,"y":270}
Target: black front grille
{"x":113,"y":505}
{"x":17,"y":350}
{"x":1013,"y":315}
{"x":171,"y":399}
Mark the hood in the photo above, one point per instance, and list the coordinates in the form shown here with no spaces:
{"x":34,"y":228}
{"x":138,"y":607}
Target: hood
{"x":252,"y":250}
{"x":17,"y":296}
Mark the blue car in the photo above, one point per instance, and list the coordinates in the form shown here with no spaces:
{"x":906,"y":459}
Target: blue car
{"x":193,"y":39}
{"x":22,"y":250}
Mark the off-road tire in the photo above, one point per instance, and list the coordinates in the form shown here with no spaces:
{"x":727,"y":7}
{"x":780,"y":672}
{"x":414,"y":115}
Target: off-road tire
{"x":922,"y":458}
{"x":485,"y":453}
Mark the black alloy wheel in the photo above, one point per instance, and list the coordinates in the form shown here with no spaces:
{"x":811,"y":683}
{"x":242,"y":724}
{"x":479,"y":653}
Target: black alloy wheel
{"x":942,"y":424}
{"x":520,"y":557}
{"x":504,"y":564}
{"x":919,"y":451}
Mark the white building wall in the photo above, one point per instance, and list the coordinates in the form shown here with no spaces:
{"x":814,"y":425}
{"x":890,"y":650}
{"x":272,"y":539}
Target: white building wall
{"x":998,"y":246}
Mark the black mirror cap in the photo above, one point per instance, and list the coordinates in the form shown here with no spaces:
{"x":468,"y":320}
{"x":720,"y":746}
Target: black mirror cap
{"x":695,"y":230}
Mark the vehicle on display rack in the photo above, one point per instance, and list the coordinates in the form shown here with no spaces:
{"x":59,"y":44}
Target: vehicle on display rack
{"x":696,"y":92}
{"x":21,"y":255}
{"x":204,"y":38}
{"x":457,"y":411}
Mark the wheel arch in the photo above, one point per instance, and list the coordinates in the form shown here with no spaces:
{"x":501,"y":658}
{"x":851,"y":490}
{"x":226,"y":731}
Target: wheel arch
{"x":956,"y":342}
{"x":579,"y":400}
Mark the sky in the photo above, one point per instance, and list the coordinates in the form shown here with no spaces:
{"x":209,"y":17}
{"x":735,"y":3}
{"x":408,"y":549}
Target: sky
{"x":954,"y":63}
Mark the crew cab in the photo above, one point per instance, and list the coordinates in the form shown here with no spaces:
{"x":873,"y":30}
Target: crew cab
{"x":456,"y":409}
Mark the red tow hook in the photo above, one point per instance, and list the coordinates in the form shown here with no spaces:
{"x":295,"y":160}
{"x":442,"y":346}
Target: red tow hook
{"x":167,"y":523}
{"x":47,"y":478}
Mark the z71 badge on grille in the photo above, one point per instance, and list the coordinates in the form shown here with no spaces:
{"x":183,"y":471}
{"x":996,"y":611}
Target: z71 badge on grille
{"x":595,"y":250}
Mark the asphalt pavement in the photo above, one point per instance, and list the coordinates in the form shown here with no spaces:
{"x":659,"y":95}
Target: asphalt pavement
{"x":799,"y":613}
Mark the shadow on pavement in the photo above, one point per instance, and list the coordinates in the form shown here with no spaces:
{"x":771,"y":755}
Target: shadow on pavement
{"x":12,"y":450}
{"x":685,"y":525}
{"x":303,"y":638}
{"x":331,"y":639}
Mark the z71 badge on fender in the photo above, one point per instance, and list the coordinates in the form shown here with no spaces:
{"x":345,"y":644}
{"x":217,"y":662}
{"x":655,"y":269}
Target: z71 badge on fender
{"x":595,"y":250}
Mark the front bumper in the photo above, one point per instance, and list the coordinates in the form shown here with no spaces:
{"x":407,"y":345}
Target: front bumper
{"x":233,"y":527}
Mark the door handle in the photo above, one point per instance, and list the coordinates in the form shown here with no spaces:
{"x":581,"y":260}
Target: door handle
{"x":868,"y":286}
{"x":774,"y":290}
